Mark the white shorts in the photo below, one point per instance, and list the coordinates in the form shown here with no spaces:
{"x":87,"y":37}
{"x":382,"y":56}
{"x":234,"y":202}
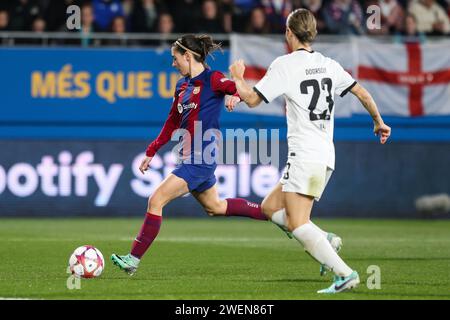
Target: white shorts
{"x":308,"y":178}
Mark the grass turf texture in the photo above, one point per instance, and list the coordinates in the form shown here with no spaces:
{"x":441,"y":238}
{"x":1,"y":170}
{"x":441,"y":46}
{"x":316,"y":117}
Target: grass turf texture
{"x":219,"y":258}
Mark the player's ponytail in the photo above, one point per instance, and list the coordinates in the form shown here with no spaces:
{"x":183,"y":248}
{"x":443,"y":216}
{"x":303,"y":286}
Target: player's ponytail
{"x":303,"y":24}
{"x":207,"y":44}
{"x":199,"y":45}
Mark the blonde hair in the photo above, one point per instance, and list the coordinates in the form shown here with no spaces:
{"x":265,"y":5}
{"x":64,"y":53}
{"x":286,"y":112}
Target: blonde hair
{"x":303,"y":25}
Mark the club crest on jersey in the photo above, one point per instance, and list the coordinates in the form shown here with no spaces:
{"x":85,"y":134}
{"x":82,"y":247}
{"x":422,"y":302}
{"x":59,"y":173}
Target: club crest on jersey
{"x":196,"y":90}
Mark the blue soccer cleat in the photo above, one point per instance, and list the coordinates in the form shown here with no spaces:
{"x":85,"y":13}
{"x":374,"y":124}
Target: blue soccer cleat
{"x":341,"y":284}
{"x":336,"y":243}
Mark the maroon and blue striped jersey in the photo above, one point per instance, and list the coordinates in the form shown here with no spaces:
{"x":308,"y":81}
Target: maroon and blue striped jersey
{"x":196,"y":108}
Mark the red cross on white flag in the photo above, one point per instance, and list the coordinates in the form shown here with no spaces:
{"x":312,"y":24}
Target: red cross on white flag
{"x":404,"y":79}
{"x":417,"y":77}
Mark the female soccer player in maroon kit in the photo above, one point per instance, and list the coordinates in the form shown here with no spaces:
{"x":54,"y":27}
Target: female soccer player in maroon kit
{"x":196,"y":107}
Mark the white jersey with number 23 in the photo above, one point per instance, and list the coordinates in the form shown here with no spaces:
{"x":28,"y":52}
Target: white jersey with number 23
{"x":308,"y":81}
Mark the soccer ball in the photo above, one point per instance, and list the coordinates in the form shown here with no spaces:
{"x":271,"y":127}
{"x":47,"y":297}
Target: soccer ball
{"x":86,"y":262}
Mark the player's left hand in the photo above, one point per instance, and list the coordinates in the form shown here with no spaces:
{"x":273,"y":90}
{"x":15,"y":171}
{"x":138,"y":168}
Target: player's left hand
{"x":231,"y":102}
{"x":383,"y":131}
{"x":237,"y":69}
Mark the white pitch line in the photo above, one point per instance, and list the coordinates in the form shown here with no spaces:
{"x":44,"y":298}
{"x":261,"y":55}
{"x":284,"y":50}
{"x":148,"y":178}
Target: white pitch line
{"x":167,"y":239}
{"x":282,"y":238}
{"x":14,"y":298}
{"x":211,"y":239}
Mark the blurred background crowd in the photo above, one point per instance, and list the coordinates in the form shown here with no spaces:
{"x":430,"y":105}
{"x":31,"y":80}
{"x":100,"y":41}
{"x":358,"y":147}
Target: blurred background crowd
{"x":346,"y":17}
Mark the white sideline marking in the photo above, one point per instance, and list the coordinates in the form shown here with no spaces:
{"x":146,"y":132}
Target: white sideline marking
{"x":13,"y":298}
{"x":281,"y":238}
{"x":168,"y":239}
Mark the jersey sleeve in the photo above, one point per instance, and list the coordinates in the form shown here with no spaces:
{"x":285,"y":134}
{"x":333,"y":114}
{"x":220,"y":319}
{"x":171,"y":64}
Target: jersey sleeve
{"x":222,"y":85}
{"x":172,"y":123}
{"x":273,"y":84}
{"x":344,"y":81}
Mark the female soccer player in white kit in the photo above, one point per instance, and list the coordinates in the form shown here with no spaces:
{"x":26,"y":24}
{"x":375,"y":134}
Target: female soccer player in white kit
{"x":308,"y":81}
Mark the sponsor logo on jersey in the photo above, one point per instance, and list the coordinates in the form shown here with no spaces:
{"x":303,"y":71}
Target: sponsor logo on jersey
{"x":186,"y":106}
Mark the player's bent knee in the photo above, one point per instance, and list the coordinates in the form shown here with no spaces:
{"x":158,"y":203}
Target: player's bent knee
{"x":155,"y":201}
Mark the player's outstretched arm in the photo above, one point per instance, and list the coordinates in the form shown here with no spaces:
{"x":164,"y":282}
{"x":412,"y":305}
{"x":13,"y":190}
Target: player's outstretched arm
{"x":246,"y":92}
{"x":379,"y":127}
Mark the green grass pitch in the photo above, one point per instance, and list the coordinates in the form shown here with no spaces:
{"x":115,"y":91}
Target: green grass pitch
{"x":219,"y":258}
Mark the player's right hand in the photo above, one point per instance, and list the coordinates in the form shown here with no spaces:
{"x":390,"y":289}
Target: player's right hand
{"x":383,"y":131}
{"x":144,"y":164}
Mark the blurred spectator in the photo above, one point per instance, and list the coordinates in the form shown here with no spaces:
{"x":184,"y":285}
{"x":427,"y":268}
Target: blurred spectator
{"x":241,"y":13}
{"x":315,"y":6}
{"x":128,"y":7}
{"x":4,"y":20}
{"x":409,"y":33}
{"x":210,"y":21}
{"x":39,"y":25}
{"x":55,"y":14}
{"x":165,"y":29}
{"x":165,"y":23}
{"x":22,"y":13}
{"x":344,"y":17}
{"x":277,"y":12}
{"x":145,"y":15}
{"x":431,"y":17}
{"x":185,"y":14}
{"x":392,"y":17}
{"x":117,"y":28}
{"x":105,"y":11}
{"x":258,"y":23}
{"x":118,"y":25}
{"x":88,"y":25}
{"x":227,"y":9}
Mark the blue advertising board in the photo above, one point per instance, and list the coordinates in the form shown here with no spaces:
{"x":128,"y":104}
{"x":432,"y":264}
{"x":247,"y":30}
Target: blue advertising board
{"x":75,"y":93}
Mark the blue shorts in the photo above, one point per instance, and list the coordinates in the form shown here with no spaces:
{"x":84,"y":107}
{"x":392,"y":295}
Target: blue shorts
{"x":198,"y":177}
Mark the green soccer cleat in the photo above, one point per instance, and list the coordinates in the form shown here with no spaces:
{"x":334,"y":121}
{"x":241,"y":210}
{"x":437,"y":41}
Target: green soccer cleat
{"x":336,"y":243}
{"x":125,"y":263}
{"x":285,"y":230}
{"x":341,"y":284}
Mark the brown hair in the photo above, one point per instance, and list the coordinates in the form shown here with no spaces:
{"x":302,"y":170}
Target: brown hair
{"x":303,"y":24}
{"x":199,"y":45}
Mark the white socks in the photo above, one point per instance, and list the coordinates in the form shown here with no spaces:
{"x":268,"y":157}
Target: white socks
{"x":315,"y":242}
{"x":136,"y":260}
{"x":317,"y":245}
{"x":280,"y":219}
